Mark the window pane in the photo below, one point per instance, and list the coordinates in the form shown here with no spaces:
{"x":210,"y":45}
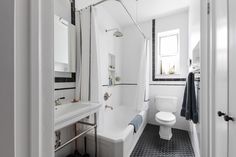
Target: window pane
{"x":168,"y":65}
{"x":168,"y":45}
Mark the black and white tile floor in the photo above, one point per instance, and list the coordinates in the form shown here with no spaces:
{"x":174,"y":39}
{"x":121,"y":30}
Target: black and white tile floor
{"x":150,"y":144}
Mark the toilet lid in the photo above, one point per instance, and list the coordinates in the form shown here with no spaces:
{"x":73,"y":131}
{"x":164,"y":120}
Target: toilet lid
{"x":165,"y":116}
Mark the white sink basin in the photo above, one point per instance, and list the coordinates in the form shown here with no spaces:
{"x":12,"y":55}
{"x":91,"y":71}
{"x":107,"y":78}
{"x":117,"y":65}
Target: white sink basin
{"x":68,"y":114}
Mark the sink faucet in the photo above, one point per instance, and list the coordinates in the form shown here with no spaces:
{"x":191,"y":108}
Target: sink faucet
{"x":107,"y":106}
{"x":58,"y":102}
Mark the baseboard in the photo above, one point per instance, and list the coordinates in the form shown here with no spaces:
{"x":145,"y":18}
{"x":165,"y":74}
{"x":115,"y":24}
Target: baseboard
{"x":193,"y":135}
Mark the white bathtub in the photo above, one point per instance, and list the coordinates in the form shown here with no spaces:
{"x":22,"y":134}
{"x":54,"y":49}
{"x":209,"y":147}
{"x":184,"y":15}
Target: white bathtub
{"x":115,"y":137}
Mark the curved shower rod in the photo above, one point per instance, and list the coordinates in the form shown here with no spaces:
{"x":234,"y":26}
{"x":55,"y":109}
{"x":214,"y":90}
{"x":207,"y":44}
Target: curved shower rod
{"x":127,"y":11}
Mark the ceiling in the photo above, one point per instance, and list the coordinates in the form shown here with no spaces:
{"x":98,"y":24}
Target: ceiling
{"x":141,"y":10}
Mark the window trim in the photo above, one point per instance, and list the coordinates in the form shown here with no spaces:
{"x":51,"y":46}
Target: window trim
{"x":164,"y":78}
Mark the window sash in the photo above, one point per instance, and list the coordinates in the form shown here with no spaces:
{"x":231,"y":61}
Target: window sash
{"x":165,"y":55}
{"x":160,"y":40}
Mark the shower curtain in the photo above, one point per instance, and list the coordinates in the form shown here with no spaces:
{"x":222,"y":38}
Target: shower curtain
{"x":143,"y":78}
{"x":88,"y":71}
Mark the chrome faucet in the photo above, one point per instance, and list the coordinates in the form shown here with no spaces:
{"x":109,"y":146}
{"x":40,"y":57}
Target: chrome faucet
{"x":58,"y":102}
{"x":107,"y":106}
{"x":107,"y":96}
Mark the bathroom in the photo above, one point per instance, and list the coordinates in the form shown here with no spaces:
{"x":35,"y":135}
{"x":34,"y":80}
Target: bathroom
{"x":117,"y":78}
{"x":124,"y":71}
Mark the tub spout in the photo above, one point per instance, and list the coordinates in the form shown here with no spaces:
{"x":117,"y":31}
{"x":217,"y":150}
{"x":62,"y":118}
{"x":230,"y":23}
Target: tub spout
{"x":107,"y":106}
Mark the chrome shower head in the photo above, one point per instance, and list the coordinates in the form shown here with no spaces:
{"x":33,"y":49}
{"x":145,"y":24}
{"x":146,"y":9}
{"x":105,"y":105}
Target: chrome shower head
{"x":117,"y":33}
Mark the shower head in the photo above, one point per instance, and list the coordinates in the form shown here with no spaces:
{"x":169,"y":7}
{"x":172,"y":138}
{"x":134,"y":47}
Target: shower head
{"x":117,"y":33}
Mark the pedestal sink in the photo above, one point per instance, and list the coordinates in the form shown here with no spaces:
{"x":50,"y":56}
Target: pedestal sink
{"x":68,"y":114}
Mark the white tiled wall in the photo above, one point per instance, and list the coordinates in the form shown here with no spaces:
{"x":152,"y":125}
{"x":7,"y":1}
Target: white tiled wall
{"x":69,"y":94}
{"x":69,"y":132}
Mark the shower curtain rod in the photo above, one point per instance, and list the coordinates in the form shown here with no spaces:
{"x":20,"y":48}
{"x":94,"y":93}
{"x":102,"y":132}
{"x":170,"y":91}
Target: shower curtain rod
{"x":127,"y":11}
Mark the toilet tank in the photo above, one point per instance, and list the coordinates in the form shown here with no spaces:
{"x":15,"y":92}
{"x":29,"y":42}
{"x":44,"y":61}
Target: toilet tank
{"x":167,"y":104}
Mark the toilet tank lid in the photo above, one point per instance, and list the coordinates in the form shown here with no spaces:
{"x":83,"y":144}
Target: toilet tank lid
{"x":166,"y":103}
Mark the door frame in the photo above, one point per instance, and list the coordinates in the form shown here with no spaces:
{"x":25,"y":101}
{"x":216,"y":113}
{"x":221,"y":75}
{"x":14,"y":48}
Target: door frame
{"x":42,"y":79}
{"x":205,"y":83}
{"x":210,"y":101}
{"x":232,"y":77}
{"x":211,"y":82}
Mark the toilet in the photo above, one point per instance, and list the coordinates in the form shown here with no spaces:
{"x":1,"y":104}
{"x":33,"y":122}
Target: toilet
{"x":166,"y":106}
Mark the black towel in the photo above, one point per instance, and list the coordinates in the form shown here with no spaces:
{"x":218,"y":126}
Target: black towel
{"x":189,"y":106}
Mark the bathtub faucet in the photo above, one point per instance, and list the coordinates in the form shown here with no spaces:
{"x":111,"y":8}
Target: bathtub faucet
{"x":107,"y":106}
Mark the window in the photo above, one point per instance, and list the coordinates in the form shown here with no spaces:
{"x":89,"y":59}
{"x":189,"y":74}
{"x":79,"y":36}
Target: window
{"x":167,"y":56}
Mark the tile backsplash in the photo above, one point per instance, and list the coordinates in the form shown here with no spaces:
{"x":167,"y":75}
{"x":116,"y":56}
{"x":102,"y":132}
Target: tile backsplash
{"x":64,"y":88}
{"x":69,"y":95}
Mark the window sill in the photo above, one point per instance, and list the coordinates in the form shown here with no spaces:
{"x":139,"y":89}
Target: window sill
{"x":172,"y":77}
{"x":169,"y":79}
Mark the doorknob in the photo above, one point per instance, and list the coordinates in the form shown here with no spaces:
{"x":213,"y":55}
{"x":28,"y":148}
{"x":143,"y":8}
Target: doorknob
{"x":220,"y":113}
{"x":228,"y":118}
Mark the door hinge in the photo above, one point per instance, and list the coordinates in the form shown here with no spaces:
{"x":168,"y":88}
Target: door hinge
{"x":208,"y":8}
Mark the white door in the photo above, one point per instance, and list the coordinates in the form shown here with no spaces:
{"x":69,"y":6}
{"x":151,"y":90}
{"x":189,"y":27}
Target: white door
{"x":232,"y":77}
{"x":220,"y":97}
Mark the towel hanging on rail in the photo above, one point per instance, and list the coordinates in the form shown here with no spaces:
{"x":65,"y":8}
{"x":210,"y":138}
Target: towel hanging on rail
{"x":189,"y":107}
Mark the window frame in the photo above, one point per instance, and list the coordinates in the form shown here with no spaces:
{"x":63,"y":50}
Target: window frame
{"x":166,"y":34}
{"x":155,"y":51}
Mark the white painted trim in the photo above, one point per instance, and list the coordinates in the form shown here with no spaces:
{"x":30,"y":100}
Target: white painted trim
{"x":194,"y":138}
{"x":42,"y":78}
{"x":205,"y":81}
{"x":212,"y":78}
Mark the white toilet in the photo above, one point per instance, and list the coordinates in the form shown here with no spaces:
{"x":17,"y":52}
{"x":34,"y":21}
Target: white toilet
{"x":166,"y":106}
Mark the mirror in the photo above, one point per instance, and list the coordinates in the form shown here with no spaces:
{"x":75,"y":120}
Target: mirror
{"x":64,"y":45}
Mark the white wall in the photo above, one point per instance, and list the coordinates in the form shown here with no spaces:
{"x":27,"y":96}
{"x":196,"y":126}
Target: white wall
{"x":81,"y":4}
{"x":132,"y":46}
{"x":194,"y":24}
{"x":108,"y":44}
{"x":62,"y":8}
{"x":177,"y":20}
{"x":130,"y":64}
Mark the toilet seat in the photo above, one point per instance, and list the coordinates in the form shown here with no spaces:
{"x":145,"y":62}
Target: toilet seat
{"x":165,"y":117}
